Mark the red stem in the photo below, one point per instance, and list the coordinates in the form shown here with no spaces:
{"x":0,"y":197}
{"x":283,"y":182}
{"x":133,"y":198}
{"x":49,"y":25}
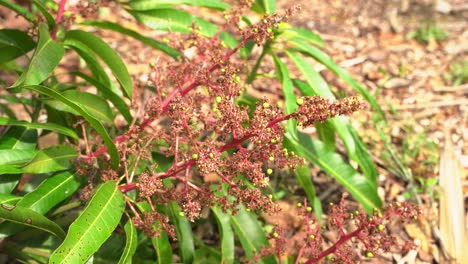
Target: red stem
{"x":335,"y":246}
{"x":58,"y":18}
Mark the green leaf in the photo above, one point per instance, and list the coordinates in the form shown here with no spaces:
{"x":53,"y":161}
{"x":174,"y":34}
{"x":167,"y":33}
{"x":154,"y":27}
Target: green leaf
{"x":93,"y":121}
{"x":303,"y":177}
{"x":227,"y":236}
{"x":13,"y":44}
{"x":313,"y":78}
{"x":156,"y":4}
{"x":47,"y":126}
{"x":288,"y":91}
{"x":107,"y":93}
{"x":269,"y":6}
{"x":302,"y":34}
{"x":250,"y":233}
{"x":148,"y":41}
{"x":18,"y":9}
{"x":8,"y":182}
{"x":326,"y":133}
{"x":49,"y":18}
{"x":362,"y":189}
{"x":184,"y":233}
{"x":94,"y":225}
{"x":46,"y":196}
{"x":19,"y":138}
{"x":324,"y":59}
{"x":44,"y":60}
{"x":130,"y":243}
{"x":28,"y":217}
{"x":107,"y":54}
{"x":18,"y":157}
{"x":173,"y":20}
{"x":6,"y":198}
{"x":51,"y":159}
{"x":95,"y":105}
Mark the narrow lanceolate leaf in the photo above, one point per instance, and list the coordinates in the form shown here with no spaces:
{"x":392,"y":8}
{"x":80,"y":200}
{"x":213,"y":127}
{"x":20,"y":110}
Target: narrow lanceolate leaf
{"x":51,"y":159}
{"x":227,"y":235}
{"x":18,"y":9}
{"x":107,"y":54}
{"x":303,"y":34}
{"x":151,"y":4}
{"x":10,"y":199}
{"x":131,"y":243}
{"x":14,"y":43}
{"x":47,"y":195}
{"x":92,"y":228}
{"x":49,"y":18}
{"x":323,"y":58}
{"x":46,"y":57}
{"x":19,"y":138}
{"x":94,"y":105}
{"x":184,"y":233}
{"x":47,"y":126}
{"x":116,"y":100}
{"x":28,"y":217}
{"x":250,"y":233}
{"x":18,"y":157}
{"x":269,"y":6}
{"x":303,"y":177}
{"x":92,"y":120}
{"x":173,"y":20}
{"x":148,"y":41}
{"x":362,"y":189}
{"x":288,"y":91}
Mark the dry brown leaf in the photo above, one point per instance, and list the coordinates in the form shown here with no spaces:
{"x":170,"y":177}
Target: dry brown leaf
{"x":452,"y":223}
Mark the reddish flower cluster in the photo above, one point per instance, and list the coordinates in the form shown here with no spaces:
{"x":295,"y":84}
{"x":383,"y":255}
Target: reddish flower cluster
{"x":353,"y":227}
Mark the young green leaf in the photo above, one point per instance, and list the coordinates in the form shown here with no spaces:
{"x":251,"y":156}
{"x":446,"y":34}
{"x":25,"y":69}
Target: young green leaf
{"x":302,"y":34}
{"x":227,"y":235}
{"x":184,"y":233}
{"x":323,"y":58}
{"x":44,"y":60}
{"x":18,"y":157}
{"x":148,"y":41}
{"x":49,"y":18}
{"x":94,"y":105}
{"x":47,"y":195}
{"x":130,"y":243}
{"x":151,"y":4}
{"x":13,"y":44}
{"x":107,"y":54}
{"x":51,"y":159}
{"x":93,"y":121}
{"x":173,"y":20}
{"x":94,"y":225}
{"x":47,"y":126}
{"x":18,"y":9}
{"x":28,"y":217}
{"x":116,"y":100}
{"x":362,"y":189}
{"x":250,"y":233}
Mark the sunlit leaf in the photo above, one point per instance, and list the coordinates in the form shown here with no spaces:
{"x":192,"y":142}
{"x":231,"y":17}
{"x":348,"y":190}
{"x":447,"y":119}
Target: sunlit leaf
{"x":131,"y":243}
{"x":227,"y":235}
{"x":94,"y":225}
{"x":47,"y":126}
{"x":28,"y":217}
{"x":51,"y":159}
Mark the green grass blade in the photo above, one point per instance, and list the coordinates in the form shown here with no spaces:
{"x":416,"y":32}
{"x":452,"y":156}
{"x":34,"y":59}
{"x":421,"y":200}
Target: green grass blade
{"x":28,"y":217}
{"x":131,"y":243}
{"x":107,"y":54}
{"x":227,"y":235}
{"x":94,"y":225}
